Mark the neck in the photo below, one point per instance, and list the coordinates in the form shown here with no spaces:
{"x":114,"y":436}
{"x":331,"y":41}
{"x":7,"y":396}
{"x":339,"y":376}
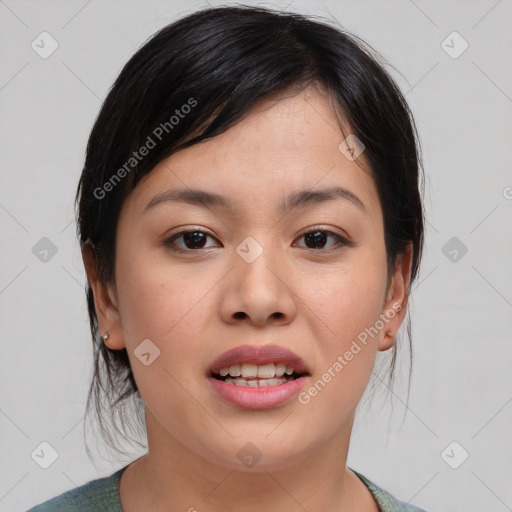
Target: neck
{"x":172,"y":476}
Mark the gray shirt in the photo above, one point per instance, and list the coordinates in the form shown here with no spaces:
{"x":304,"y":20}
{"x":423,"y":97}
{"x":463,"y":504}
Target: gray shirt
{"x":103,"y":495}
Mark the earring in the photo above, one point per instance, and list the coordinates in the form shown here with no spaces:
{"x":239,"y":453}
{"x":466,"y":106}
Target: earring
{"x":389,"y":334}
{"x":105,"y":337}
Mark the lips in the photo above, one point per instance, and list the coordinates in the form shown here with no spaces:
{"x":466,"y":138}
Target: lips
{"x":259,"y":355}
{"x":258,"y":393}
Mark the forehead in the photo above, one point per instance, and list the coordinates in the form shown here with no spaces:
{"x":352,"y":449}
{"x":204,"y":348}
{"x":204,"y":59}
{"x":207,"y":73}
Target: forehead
{"x":288,"y":143}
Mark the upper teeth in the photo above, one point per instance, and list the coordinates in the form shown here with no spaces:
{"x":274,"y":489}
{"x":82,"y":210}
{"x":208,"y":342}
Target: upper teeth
{"x":265,"y":371}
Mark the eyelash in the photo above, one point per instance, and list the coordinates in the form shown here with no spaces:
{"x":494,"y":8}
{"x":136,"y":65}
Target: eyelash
{"x":342,"y":241}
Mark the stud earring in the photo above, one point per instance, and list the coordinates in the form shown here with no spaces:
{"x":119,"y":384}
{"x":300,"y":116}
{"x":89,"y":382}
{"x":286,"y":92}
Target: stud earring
{"x":105,"y":337}
{"x":389,"y":334}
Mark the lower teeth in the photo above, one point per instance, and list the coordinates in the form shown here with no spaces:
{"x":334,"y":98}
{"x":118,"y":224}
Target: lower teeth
{"x":254,"y":383}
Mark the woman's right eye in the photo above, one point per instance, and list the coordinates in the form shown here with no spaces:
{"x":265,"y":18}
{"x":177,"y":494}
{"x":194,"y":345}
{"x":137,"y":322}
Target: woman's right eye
{"x":191,"y":240}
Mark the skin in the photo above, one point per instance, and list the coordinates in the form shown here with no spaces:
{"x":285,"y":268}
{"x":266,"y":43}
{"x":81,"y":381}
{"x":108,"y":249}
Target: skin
{"x":186,"y":303}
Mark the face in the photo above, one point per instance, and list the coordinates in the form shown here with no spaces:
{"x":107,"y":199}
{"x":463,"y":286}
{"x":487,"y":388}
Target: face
{"x":262,"y":269}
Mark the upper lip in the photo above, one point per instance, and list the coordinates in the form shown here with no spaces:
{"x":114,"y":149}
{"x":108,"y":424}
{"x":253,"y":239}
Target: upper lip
{"x":259,"y":354}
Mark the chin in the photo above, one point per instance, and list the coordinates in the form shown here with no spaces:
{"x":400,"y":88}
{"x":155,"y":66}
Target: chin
{"x":258,"y":453}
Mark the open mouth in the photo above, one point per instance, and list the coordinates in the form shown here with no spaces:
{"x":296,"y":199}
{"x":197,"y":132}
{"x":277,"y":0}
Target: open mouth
{"x":252,"y":375}
{"x":258,"y":377}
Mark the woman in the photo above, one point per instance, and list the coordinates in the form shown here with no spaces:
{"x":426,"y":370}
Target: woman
{"x":250,"y":224}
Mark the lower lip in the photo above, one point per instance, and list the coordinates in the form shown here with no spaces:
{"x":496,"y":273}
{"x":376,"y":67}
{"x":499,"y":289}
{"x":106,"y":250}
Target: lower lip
{"x":259,"y":397}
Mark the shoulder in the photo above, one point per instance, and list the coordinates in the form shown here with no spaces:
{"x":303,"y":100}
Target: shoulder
{"x":386,"y":501}
{"x":101,"y":494}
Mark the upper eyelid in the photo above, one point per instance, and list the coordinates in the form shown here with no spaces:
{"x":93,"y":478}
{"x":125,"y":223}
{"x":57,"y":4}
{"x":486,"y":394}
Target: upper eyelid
{"x":191,"y":230}
{"x":306,"y":230}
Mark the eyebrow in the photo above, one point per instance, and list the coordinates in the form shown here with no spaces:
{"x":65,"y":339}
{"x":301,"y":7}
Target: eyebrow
{"x":294,"y":201}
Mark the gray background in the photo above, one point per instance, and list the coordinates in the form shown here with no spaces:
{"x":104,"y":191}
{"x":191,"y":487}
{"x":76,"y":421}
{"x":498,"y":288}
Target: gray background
{"x":462,"y":303}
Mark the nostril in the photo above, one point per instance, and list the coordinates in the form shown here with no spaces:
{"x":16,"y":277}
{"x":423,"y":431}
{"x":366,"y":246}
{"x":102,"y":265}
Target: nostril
{"x":239,"y":314}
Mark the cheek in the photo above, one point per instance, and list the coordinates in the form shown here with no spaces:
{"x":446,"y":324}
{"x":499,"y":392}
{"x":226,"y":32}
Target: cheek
{"x":173,"y":306}
{"x":342,"y":375}
{"x":348,"y":302}
{"x":159,"y":298}
{"x":170,"y":306}
{"x":347,"y":299}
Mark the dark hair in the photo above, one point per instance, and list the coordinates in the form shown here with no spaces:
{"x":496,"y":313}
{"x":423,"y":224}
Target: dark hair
{"x":196,"y":78}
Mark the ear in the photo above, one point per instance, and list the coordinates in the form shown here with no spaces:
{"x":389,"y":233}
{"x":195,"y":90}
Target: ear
{"x":105,"y":302}
{"x":396,"y":300}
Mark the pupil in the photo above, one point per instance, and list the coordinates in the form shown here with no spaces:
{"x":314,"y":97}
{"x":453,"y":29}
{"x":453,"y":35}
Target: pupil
{"x":195,"y":238}
{"x":316,"y":238}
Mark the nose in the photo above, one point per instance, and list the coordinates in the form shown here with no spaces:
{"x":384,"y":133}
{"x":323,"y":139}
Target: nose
{"x":258,"y":293}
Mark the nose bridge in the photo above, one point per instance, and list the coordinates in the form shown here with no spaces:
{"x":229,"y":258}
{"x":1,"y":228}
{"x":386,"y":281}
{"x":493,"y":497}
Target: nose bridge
{"x":256,"y":261}
{"x":257,"y":286}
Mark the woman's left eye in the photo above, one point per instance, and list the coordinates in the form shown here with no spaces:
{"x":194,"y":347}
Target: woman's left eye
{"x":317,"y":238}
{"x":195,"y":239}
